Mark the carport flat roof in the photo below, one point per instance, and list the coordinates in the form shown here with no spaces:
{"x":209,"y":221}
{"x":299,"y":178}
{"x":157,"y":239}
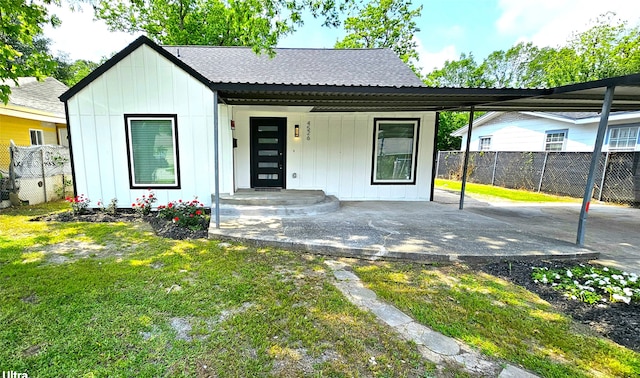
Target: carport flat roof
{"x":327,"y":98}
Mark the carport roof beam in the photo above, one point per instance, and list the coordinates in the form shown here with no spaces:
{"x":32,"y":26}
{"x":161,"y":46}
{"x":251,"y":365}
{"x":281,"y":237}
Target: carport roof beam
{"x":466,"y":159}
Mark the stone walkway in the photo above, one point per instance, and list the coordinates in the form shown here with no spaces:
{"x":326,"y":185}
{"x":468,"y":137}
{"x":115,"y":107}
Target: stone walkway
{"x":433,"y":346}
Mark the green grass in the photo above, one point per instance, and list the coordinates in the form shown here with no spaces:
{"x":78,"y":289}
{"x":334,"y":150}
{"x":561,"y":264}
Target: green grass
{"x":489,"y":191}
{"x":98,"y":300}
{"x":500,"y":319}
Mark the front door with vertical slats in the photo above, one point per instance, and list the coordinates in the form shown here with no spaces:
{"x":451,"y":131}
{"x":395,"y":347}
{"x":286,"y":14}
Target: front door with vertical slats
{"x":268,"y":136}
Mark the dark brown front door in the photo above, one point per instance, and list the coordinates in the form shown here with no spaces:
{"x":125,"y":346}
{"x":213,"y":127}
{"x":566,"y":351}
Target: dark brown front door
{"x":268,"y":137}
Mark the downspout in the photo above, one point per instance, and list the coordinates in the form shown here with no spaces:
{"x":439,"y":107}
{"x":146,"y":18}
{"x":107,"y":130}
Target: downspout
{"x":216,"y":152}
{"x":436,"y":156}
{"x":466,"y":158}
{"x":595,"y":158}
{"x":73,"y":167}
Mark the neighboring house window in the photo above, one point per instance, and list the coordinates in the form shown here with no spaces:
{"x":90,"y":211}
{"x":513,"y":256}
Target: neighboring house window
{"x":623,"y":138}
{"x":485,"y":143}
{"x":152,"y":147}
{"x":395,"y":150}
{"x":555,"y":140}
{"x":37,"y":137}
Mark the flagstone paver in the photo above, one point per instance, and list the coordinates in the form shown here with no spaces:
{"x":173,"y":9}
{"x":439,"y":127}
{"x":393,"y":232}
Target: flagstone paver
{"x":433,"y":345}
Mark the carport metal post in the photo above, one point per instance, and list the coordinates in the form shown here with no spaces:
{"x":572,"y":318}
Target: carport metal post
{"x":595,"y":158}
{"x":216,"y":153}
{"x":466,"y":159}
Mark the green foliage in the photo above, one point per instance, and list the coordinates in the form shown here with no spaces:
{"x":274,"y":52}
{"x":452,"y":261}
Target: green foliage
{"x":591,"y":284}
{"x":185,"y":214}
{"x":448,"y":123}
{"x":609,"y":48}
{"x":505,"y":193}
{"x":70,"y":72}
{"x":384,"y":24}
{"x":256,"y":23}
{"x":21,"y":54}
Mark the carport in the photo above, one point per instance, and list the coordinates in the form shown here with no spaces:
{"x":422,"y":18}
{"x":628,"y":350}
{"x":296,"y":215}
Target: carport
{"x":613,"y":94}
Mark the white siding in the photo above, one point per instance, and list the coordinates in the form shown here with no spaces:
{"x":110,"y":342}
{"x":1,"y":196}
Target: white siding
{"x":521,"y":132}
{"x":337,"y":158}
{"x":145,"y":83}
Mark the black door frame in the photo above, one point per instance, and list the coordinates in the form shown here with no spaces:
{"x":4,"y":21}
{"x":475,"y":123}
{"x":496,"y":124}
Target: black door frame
{"x":254,"y":122}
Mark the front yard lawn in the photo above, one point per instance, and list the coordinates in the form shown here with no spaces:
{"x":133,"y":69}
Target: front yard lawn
{"x":97,"y":300}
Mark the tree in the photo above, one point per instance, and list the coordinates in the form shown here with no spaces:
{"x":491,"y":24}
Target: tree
{"x":70,"y":72}
{"x":521,"y":66}
{"x":461,"y":73}
{"x":448,"y":123}
{"x":384,"y":24}
{"x":21,"y":24}
{"x":256,"y":23}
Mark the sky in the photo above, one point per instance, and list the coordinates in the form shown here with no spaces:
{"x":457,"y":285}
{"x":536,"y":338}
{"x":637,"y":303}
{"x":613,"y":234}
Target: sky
{"x":447,"y":28}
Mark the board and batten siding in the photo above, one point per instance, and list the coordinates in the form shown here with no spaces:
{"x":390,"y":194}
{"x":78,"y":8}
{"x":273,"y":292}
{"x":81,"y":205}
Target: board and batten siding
{"x":337,"y":157}
{"x":145,"y":82}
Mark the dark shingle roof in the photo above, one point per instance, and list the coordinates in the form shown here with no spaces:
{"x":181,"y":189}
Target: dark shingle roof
{"x":39,"y":95}
{"x":343,"y":67}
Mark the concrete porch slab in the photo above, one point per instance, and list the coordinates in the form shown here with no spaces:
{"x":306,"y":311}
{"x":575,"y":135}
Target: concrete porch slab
{"x":426,"y":232}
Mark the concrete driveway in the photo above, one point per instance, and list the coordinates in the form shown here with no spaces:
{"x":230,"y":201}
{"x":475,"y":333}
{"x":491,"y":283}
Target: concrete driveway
{"x":412,"y":231}
{"x":611,"y":230}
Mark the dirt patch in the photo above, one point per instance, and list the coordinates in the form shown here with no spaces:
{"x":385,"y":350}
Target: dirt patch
{"x":619,"y":322}
{"x":162,"y":227}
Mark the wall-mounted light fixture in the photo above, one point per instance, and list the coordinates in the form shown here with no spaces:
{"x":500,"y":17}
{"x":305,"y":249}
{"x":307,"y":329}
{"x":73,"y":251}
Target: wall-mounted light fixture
{"x":296,"y":131}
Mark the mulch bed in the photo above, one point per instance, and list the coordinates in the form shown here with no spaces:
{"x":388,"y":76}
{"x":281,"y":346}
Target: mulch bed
{"x":162,"y":227}
{"x":619,"y":322}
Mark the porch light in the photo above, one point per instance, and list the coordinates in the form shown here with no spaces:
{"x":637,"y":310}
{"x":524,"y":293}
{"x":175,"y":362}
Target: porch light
{"x":296,"y":131}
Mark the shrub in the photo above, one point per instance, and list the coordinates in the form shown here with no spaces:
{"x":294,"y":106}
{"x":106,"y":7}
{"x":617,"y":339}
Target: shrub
{"x":591,"y":284}
{"x":143,"y":204}
{"x":185,"y":214}
{"x":79,"y":204}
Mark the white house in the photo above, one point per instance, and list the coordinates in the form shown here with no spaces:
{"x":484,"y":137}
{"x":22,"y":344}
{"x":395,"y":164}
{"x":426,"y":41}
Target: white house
{"x":145,"y":120}
{"x":551,"y":131}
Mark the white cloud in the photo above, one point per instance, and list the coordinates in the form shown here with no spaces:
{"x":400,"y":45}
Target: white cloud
{"x":551,"y":22}
{"x":430,"y":61}
{"x":83,"y":38}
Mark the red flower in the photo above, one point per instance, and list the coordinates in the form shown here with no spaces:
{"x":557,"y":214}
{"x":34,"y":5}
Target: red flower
{"x":176,"y":219}
{"x":190,"y":215}
{"x":133,"y":205}
{"x":170,"y":205}
{"x":198,"y":212}
{"x":180,"y":200}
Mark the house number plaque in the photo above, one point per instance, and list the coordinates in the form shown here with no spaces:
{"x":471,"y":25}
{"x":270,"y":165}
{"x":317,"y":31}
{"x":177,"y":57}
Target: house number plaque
{"x":308,"y":130}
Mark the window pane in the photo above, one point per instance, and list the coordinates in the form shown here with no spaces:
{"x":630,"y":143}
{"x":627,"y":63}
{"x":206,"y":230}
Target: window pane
{"x":267,"y":128}
{"x":394,"y":160}
{"x":267,"y":152}
{"x":268,"y":140}
{"x":623,"y":138}
{"x":153,"y":150}
{"x":269,"y":176}
{"x":266,"y":164}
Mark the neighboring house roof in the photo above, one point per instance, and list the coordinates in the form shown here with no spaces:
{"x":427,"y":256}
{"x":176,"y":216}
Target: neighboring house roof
{"x":39,"y":95}
{"x":343,"y":67}
{"x":575,"y":118}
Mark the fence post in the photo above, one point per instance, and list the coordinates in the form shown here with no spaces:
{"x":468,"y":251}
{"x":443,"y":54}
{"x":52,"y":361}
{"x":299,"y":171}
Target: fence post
{"x":604,"y":173}
{"x":44,"y":181}
{"x":493,"y":174}
{"x":544,"y":166}
{"x":438,"y":163}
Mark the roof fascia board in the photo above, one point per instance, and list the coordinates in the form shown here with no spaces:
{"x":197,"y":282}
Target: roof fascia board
{"x":633,"y":80}
{"x":142,"y":40}
{"x":612,"y":117}
{"x":476,"y":123}
{"x":32,"y":114}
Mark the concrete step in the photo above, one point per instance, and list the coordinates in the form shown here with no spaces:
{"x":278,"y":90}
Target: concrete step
{"x":273,"y":198}
{"x":277,"y":208}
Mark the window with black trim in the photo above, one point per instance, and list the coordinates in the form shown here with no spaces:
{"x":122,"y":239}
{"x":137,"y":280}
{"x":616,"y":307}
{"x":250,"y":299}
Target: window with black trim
{"x":37,"y":137}
{"x":395,"y":149}
{"x":555,"y":140}
{"x":152,"y":148}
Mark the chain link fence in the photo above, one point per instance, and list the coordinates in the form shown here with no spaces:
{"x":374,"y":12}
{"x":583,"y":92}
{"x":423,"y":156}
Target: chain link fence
{"x":560,"y":173}
{"x":34,"y":174}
